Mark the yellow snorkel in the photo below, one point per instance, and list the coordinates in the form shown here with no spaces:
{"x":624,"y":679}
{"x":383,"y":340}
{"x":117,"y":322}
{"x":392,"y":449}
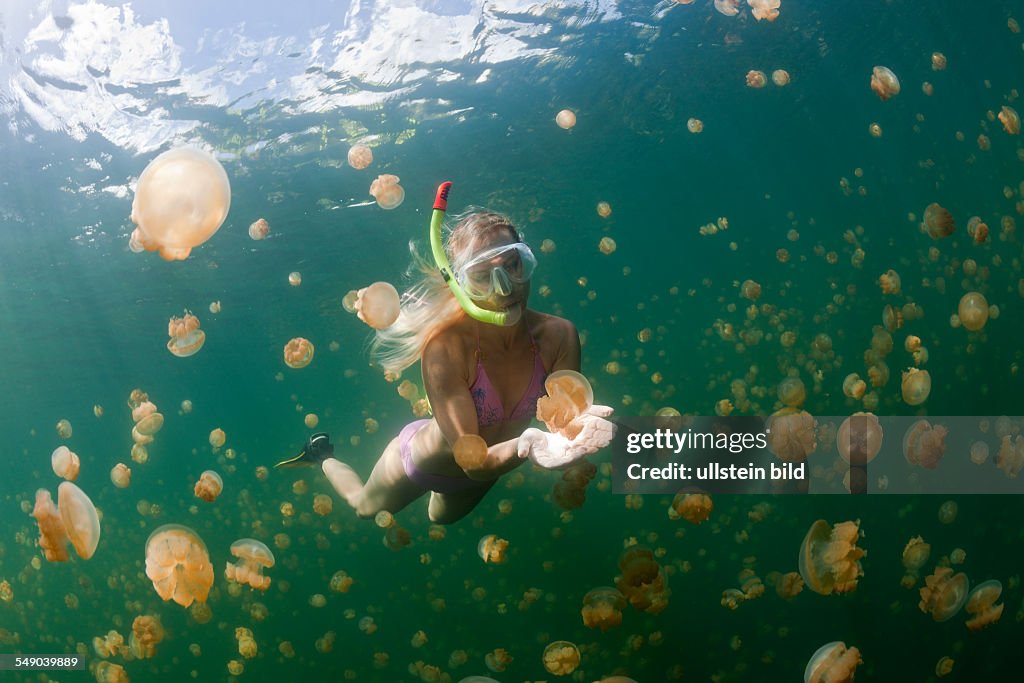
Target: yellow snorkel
{"x":504,"y":318}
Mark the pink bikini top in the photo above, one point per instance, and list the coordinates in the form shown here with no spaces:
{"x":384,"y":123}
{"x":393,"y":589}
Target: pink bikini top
{"x":489,"y":410}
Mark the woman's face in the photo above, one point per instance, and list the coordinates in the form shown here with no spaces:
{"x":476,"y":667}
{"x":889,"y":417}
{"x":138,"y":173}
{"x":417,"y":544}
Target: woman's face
{"x":500,"y":275}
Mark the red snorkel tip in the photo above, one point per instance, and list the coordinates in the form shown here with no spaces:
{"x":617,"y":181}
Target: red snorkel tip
{"x":441,"y":200}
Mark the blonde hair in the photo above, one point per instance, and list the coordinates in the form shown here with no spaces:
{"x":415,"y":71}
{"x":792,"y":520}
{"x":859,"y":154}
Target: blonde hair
{"x":428,"y":307}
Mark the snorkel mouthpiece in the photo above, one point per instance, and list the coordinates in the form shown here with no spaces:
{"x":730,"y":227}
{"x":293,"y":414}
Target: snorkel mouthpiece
{"x":505,"y":318}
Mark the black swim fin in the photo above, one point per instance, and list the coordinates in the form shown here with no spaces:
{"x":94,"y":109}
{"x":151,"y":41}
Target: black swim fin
{"x":318,"y":447}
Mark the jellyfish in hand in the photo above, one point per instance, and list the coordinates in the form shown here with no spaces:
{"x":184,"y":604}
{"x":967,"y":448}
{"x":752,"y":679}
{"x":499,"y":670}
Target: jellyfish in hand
{"x":185,"y":336}
{"x":178,"y":564}
{"x":253,"y":557}
{"x":386,"y":190}
{"x":378,"y":305}
{"x":569,"y":395}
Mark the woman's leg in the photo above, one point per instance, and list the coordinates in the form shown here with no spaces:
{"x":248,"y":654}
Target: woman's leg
{"x":387,"y":488}
{"x":448,"y":508}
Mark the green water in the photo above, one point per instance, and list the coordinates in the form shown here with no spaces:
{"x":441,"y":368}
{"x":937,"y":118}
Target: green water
{"x":83,"y":323}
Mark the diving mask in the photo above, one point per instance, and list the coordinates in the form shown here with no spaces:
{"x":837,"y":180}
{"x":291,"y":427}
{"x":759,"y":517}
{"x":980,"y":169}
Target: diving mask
{"x":496,"y":271}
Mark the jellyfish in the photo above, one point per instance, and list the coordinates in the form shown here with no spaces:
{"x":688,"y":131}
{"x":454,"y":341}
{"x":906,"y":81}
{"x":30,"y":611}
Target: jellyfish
{"x":915,"y":554}
{"x":178,"y":565}
{"x":694,"y":125}
{"x":121,"y":475}
{"x":569,"y":395}
{"x":943,"y":594}
{"x":378,"y":305}
{"x":973,"y":311}
{"x":1010,"y":119}
{"x":859,"y":438}
{"x":65,"y":463}
{"x":497,"y":660}
{"x":693,"y":507}
{"x":875,"y":130}
{"x":765,"y":9}
{"x":386,"y":190}
{"x":756,"y":79}
{"x":981,"y":604}
{"x":253,"y":556}
{"x":209,"y":486}
{"x":108,"y":672}
{"x":729,"y":8}
{"x":150,"y":424}
{"x":643,"y":581}
{"x":53,"y":537}
{"x":295,"y":278}
{"x":359,"y":157}
{"x":604,"y":209}
{"x":298,"y":353}
{"x":64,"y":429}
{"x":470,"y":451}
{"x":792,"y":392}
{"x":789,"y":585}
{"x":217,"y":437}
{"x":81,"y":523}
{"x":565,"y":119}
{"x":780,"y":77}
{"x":832,"y":663}
{"x":259,"y":229}
{"x":185,"y":336}
{"x":938,"y":222}
{"x":492,"y":549}
{"x":924,"y":444}
{"x":147,"y":632}
{"x":938,"y":61}
{"x":1010,"y":458}
{"x":791,"y":434}
{"x":854,"y":387}
{"x":750,"y":290}
{"x":181,"y":200}
{"x":830,"y":558}
{"x":561,"y":658}
{"x":916,"y":386}
{"x":889,"y":281}
{"x":884,"y":83}
{"x":607,"y":246}
{"x":323,"y":504}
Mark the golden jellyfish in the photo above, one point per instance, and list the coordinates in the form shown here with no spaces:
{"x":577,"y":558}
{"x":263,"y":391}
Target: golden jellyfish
{"x":875,"y":130}
{"x":311,"y":420}
{"x":789,"y":585}
{"x":108,"y":672}
{"x":694,"y":125}
{"x":916,"y":386}
{"x":298,"y":353}
{"x":604,"y":209}
{"x":147,"y":633}
{"x":218,"y":437}
{"x":215,"y":307}
{"x":253,"y":557}
{"x":915,"y":554}
{"x":607,"y":246}
{"x":792,"y":434}
{"x":492,"y":549}
{"x":1010,"y":458}
{"x":53,"y":537}
{"x":470,"y":451}
{"x":830,"y":558}
{"x":729,"y":8}
{"x":81,"y":522}
{"x":569,"y":395}
{"x":360,"y":157}
{"x":884,"y":83}
{"x":973,"y":311}
{"x":178,"y":565}
{"x":150,"y":424}
{"x":386,"y":190}
{"x":938,"y":222}
{"x":295,"y":278}
{"x":859,"y":438}
{"x":64,"y":429}
{"x":780,"y":77}
{"x":756,"y":79}
{"x":693,"y":507}
{"x":944,"y":666}
{"x":924,"y":444}
{"x":854,"y":387}
{"x":765,"y":9}
{"x":181,"y":200}
{"x":889,"y":281}
{"x":65,"y":463}
{"x":185,"y":336}
{"x":1010,"y":119}
{"x":209,"y":486}
{"x":498,"y":660}
{"x":561,"y":658}
{"x":981,"y":604}
{"x":832,"y":663}
{"x":750,"y":290}
{"x":121,"y":475}
{"x":938,"y":61}
{"x":259,"y":229}
{"x":792,"y":392}
{"x":565,"y":119}
{"x":643,"y":581}
{"x":323,"y":504}
{"x":378,"y":305}
{"x":943,"y":594}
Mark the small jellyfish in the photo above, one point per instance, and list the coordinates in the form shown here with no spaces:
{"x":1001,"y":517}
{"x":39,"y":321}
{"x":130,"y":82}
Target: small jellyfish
{"x":943,"y":594}
{"x":65,"y":463}
{"x":348,"y":302}
{"x":859,"y":438}
{"x":792,"y":392}
{"x":765,"y":9}
{"x":181,"y":200}
{"x":178,"y":565}
{"x":756,"y":79}
{"x":360,"y":157}
{"x":64,"y":429}
{"x":938,"y":222}
{"x":780,"y":77}
{"x":569,"y":395}
{"x":147,"y":633}
{"x":884,"y":83}
{"x":973,"y":311}
{"x":693,"y":507}
{"x":497,"y":660}
{"x":981,"y":604}
{"x":470,"y":451}
{"x":298,"y":353}
{"x":889,"y":281}
{"x":979,"y":452}
{"x":604,"y":209}
{"x":606,"y":246}
{"x":259,"y":229}
{"x":830,"y":559}
{"x":561,"y":658}
{"x":218,"y":437}
{"x":108,"y":672}
{"x":1010,"y":458}
{"x":253,"y":557}
{"x":924,"y":444}
{"x":642,"y":580}
{"x":832,"y":663}
{"x":1010,"y":119}
{"x":565,"y":119}
{"x":944,"y":666}
{"x":915,"y":554}
{"x":323,"y":504}
{"x":938,"y":61}
{"x":386,"y":190}
{"x":209,"y":486}
{"x":875,"y":130}
{"x":854,"y":387}
{"x":215,"y":307}
{"x":729,"y":8}
{"x":791,"y":433}
{"x":695,"y":125}
{"x":378,"y":305}
{"x":492,"y":549}
{"x":916,"y":386}
{"x":150,"y":424}
{"x":295,"y":278}
{"x":185,"y":336}
{"x":121,"y":476}
{"x":311,"y":420}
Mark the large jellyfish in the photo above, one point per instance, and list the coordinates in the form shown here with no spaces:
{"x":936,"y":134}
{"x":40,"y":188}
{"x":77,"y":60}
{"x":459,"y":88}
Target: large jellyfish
{"x":830,"y":559}
{"x":253,"y":557}
{"x":916,"y":386}
{"x":378,"y":305}
{"x":81,"y":522}
{"x":186,"y":337}
{"x":386,"y":190}
{"x":973,"y":311}
{"x":569,"y":395}
{"x":943,"y":594}
{"x":181,"y":200}
{"x":884,"y":83}
{"x":859,"y":438}
{"x":178,"y":564}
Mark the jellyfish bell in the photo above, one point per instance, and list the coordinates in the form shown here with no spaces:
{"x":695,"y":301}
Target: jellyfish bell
{"x":973,"y":311}
{"x":185,"y":336}
{"x":832,"y":663}
{"x":981,"y":604}
{"x":561,"y":658}
{"x":181,"y":200}
{"x":121,"y":476}
{"x":65,"y":463}
{"x":916,"y":386}
{"x":209,"y":486}
{"x":259,"y":229}
{"x":884,"y":83}
{"x":150,"y":425}
{"x":859,"y":438}
{"x":829,"y":559}
{"x":359,"y":157}
{"x":938,"y":221}
{"x":298,"y":353}
{"x":565,"y":119}
{"x":756,"y":79}
{"x":386,"y":190}
{"x":378,"y":305}
{"x":80,"y":519}
{"x":791,"y":434}
{"x":178,"y":564}
{"x":253,"y":557}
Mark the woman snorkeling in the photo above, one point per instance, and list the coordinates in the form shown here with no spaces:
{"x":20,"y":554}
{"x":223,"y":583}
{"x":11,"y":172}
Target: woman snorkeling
{"x":484,"y":358}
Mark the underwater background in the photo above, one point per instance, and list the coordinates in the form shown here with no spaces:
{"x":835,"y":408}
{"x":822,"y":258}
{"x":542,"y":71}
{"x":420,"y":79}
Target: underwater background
{"x":468,"y":91}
